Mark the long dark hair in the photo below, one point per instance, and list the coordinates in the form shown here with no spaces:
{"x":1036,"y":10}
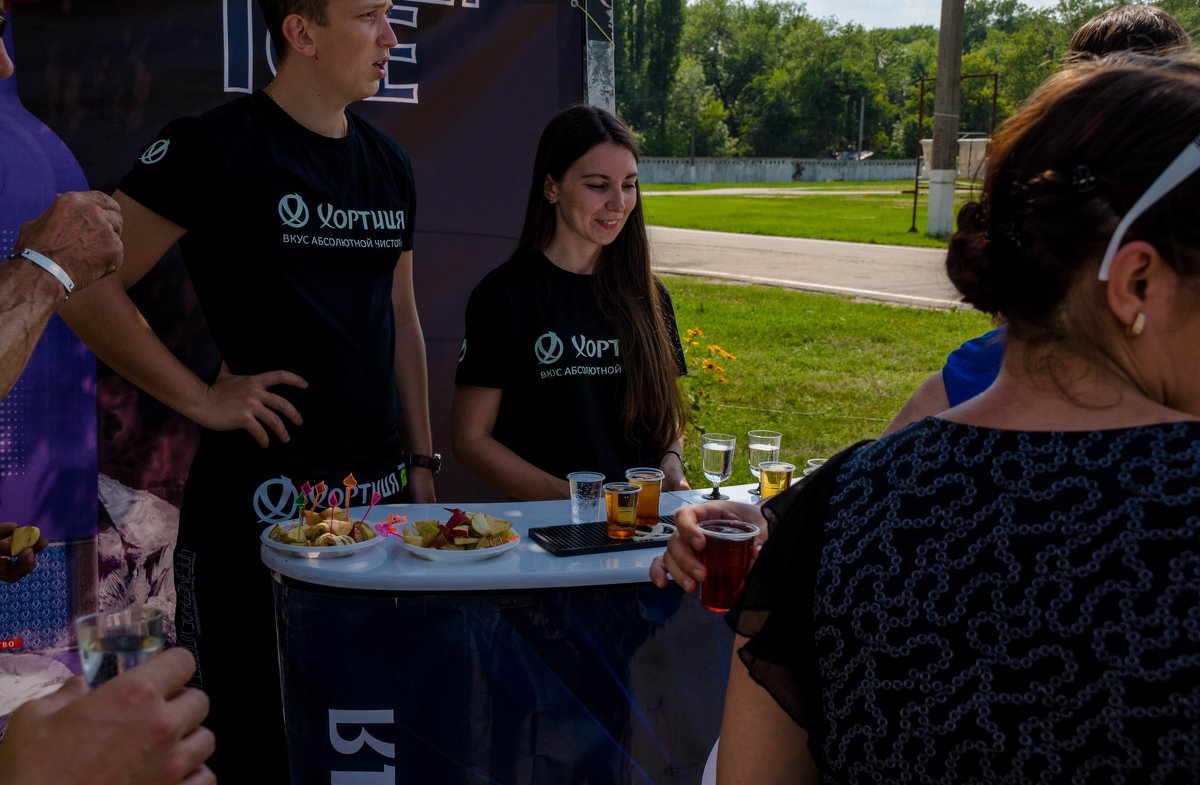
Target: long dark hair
{"x":627,"y":291}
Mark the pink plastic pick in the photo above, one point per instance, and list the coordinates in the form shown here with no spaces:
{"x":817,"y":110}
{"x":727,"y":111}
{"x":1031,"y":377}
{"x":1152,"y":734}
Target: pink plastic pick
{"x":375,"y":497}
{"x":333,"y":503}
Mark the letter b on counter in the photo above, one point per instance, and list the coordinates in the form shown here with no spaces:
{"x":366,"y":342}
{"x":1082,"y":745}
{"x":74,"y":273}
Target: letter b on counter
{"x":356,"y":720}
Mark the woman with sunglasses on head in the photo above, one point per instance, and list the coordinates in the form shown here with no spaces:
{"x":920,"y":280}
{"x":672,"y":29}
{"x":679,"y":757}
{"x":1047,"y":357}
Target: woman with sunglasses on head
{"x":571,"y":357}
{"x":1007,"y":592}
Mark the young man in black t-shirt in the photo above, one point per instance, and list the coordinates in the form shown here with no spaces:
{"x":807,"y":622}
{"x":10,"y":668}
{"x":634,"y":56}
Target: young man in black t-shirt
{"x":295,"y":220}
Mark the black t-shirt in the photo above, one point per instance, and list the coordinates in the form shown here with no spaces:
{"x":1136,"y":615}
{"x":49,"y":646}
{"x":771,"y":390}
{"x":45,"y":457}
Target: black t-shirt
{"x":292,"y":240}
{"x":537,"y":332}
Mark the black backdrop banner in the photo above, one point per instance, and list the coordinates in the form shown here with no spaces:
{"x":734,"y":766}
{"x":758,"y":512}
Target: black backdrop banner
{"x":470,"y":86}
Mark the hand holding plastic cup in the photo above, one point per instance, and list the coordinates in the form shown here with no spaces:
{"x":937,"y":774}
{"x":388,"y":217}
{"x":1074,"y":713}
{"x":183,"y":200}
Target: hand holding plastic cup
{"x":112,"y":642}
{"x":728,"y":552}
{"x":621,"y":504}
{"x":587,"y":489}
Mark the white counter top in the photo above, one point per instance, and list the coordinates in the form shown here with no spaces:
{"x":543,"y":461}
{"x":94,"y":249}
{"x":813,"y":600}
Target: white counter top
{"x":388,"y":567}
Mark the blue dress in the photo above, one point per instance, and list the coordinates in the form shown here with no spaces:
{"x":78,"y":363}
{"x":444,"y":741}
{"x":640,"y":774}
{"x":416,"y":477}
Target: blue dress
{"x":988,"y":606}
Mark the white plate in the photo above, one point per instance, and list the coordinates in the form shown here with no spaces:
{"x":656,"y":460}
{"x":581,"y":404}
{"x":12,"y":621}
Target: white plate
{"x":458,"y":557}
{"x":319,"y":552}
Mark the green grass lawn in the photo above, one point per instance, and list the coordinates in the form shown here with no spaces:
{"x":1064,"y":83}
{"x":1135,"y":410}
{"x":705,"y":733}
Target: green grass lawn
{"x":838,"y":185}
{"x":825,"y":216}
{"x":823,"y":370}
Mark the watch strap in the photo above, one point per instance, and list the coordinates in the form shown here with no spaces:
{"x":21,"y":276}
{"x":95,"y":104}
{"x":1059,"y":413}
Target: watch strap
{"x":431,"y":462}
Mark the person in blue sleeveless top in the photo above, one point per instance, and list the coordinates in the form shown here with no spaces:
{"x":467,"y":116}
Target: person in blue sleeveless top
{"x":971,"y":368}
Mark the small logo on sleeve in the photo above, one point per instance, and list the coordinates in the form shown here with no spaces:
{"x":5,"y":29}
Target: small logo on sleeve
{"x":155,"y":152}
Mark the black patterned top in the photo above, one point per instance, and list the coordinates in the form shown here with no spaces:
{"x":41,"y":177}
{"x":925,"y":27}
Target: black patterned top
{"x":989,"y":607}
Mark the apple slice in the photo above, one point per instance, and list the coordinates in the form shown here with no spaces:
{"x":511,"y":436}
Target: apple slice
{"x":479,"y":522}
{"x":23,"y":538}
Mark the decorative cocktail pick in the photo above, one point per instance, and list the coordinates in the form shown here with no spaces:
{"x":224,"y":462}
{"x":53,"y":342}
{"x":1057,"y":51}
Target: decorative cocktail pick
{"x":306,"y":490}
{"x":333,"y":503}
{"x":299,"y":505}
{"x":387,"y":527}
{"x":350,"y":484}
{"x":375,"y":497}
{"x":318,"y":493}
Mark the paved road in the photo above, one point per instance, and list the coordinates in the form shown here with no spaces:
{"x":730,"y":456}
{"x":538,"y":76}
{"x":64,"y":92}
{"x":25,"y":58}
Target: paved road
{"x":892,"y":273}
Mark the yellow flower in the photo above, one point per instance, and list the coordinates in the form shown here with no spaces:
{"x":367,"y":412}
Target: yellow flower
{"x":709,"y":365}
{"x":722,"y":379}
{"x":694,"y":331}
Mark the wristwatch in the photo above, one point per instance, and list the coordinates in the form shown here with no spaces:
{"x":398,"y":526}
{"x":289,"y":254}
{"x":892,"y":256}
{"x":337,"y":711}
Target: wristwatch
{"x":431,"y":462}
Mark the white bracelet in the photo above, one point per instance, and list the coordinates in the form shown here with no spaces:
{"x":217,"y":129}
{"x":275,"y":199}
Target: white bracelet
{"x":49,"y":265}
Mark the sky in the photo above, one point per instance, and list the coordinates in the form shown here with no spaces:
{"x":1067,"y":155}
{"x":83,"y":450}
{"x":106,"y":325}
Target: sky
{"x":890,"y":13}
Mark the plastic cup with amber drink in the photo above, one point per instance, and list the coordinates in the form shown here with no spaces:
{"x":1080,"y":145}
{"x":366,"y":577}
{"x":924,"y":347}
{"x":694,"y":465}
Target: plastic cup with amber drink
{"x":650,"y":481}
{"x":621,"y":505}
{"x":776,"y":477}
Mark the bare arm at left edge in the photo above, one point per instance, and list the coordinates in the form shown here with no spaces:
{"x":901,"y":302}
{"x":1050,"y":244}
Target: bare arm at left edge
{"x":760,"y":743}
{"x":412,"y":378}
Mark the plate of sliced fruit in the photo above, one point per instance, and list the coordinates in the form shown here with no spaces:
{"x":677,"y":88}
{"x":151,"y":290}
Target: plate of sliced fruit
{"x":321,"y":537}
{"x":465,"y":537}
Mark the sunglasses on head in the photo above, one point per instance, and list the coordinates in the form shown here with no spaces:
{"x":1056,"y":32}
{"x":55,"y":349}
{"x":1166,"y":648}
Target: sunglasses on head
{"x":1186,"y":163}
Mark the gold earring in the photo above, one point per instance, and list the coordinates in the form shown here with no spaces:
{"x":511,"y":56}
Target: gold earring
{"x":1134,"y":329}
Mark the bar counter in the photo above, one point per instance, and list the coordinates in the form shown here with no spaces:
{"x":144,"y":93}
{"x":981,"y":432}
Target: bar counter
{"x":526,"y":668}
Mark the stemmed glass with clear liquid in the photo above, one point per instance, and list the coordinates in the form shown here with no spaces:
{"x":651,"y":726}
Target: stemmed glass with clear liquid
{"x":716,"y":459}
{"x":764,"y":446}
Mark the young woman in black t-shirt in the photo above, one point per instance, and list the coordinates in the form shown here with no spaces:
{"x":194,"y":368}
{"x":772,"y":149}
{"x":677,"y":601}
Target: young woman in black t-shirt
{"x":584,"y":218}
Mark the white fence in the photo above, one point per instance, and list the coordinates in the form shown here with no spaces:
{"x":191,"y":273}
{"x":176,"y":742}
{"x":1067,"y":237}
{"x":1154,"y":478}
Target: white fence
{"x":771,"y":170}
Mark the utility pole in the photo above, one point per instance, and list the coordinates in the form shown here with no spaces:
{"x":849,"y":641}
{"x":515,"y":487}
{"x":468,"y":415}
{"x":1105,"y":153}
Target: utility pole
{"x":862,"y":111}
{"x":946,"y":100}
{"x":692,"y":97}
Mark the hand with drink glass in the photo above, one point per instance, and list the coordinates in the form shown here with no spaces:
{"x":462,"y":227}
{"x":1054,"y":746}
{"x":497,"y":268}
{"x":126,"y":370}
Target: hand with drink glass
{"x":141,"y":728}
{"x":683,"y":561}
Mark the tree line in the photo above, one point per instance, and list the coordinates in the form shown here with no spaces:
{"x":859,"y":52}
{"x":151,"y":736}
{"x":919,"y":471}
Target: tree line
{"x":759,"y":78}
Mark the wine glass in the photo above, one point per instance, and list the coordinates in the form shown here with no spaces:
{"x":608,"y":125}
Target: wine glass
{"x":764,"y":446}
{"x":716,"y":454}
